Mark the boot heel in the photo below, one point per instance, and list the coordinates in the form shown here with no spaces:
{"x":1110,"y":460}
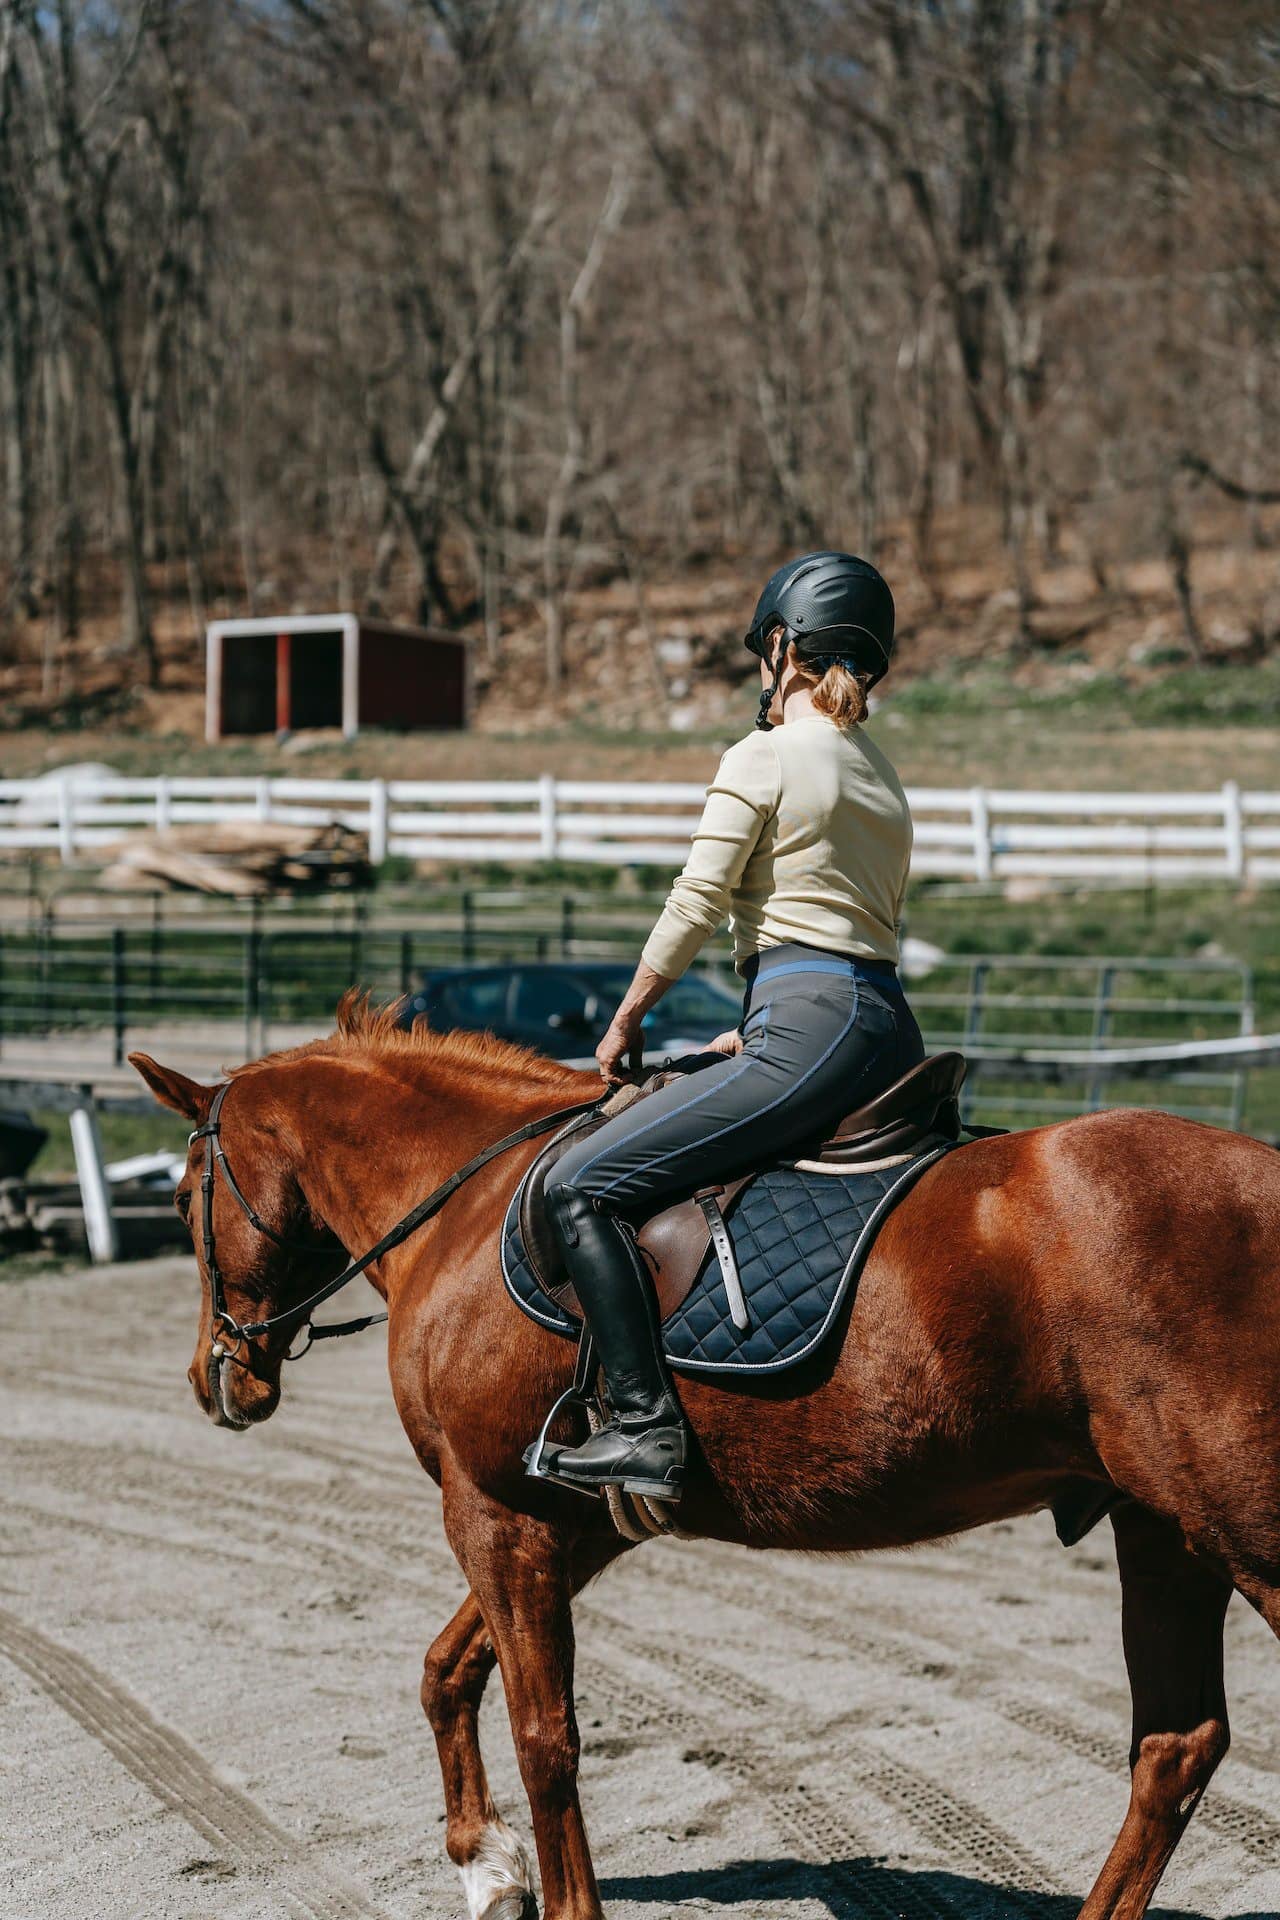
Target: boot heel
{"x":653,"y":1489}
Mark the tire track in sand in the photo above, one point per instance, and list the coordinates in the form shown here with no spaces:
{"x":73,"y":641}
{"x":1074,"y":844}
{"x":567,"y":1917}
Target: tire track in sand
{"x":803,"y":1821}
{"x":313,"y":1511}
{"x":821,"y":1833}
{"x":971,"y":1677}
{"x":952,"y":1824}
{"x":176,"y":1775}
{"x":1248,"y":1827}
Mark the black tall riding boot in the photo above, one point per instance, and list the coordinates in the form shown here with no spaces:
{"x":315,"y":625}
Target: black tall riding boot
{"x":642,"y":1449}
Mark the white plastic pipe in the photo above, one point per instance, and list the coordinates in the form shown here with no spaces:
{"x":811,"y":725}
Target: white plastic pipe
{"x":95,"y":1192}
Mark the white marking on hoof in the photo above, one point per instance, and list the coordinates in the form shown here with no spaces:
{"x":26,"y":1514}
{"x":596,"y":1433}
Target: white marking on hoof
{"x":498,"y":1879}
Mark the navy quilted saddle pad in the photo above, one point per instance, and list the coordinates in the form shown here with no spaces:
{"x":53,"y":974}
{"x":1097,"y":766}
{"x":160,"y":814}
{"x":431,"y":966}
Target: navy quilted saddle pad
{"x":801,"y":1240}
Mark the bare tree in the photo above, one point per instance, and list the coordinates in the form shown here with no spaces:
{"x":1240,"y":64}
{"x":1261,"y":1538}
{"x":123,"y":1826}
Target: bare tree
{"x":20,"y":329}
{"x":573,"y":460}
{"x":88,"y":170}
{"x":294,"y":291}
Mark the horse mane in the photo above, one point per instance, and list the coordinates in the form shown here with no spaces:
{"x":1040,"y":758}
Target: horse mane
{"x":365,"y":1029}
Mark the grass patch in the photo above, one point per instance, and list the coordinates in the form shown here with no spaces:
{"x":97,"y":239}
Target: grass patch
{"x":1240,"y":696}
{"x":123,"y":1135}
{"x":955,"y":728}
{"x":1232,"y":696}
{"x":1214,"y":922}
{"x":1156,"y":923}
{"x":39,"y":1264}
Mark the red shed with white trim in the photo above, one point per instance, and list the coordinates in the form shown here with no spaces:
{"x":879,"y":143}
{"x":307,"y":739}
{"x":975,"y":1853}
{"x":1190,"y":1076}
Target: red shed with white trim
{"x":332,"y":670}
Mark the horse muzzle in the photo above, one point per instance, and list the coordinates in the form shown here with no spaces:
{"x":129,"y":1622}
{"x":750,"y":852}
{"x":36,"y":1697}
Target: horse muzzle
{"x":235,"y":1395}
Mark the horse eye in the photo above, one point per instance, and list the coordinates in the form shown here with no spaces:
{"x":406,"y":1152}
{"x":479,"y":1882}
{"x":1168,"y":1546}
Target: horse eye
{"x":182,"y":1201}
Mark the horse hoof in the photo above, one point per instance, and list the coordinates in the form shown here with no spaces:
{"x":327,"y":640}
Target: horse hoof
{"x":497,"y":1878}
{"x":512,"y":1906}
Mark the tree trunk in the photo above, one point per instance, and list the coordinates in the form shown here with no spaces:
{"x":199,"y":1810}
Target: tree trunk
{"x":1173,"y":532}
{"x":66,"y":541}
{"x":572,"y":459}
{"x":925,"y":429}
{"x":136,"y":597}
{"x":866,"y":472}
{"x":1015,"y":471}
{"x":19,"y":385}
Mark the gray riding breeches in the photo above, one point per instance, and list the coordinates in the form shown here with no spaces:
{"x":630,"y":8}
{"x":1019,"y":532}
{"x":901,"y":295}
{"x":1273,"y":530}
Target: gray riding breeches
{"x":822,"y":1034}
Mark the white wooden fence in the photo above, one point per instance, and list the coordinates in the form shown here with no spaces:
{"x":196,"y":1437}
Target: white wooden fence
{"x":977,"y":833}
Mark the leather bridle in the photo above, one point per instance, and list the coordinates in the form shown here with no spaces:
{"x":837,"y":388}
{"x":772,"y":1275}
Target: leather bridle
{"x":225,"y":1327}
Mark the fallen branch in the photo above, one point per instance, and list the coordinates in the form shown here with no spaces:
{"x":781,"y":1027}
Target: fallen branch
{"x":1234,"y":489}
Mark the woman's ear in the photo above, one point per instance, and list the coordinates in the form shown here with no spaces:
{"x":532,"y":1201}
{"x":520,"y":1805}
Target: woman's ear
{"x":769,"y":660}
{"x":174,"y":1089}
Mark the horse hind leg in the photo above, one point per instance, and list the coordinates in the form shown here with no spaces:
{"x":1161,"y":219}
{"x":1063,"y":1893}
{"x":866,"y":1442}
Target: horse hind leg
{"x":1174,"y":1606}
{"x":497,"y":1877}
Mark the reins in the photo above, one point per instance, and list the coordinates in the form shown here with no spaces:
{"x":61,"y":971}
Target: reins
{"x":300,"y":1315}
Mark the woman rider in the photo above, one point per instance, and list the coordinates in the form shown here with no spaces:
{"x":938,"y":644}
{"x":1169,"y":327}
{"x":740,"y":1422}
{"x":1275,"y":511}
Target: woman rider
{"x":805,"y":841}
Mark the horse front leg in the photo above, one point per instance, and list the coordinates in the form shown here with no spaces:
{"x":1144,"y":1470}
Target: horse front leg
{"x":1174,"y":1608}
{"x":523,"y":1575}
{"x":497,"y":1877}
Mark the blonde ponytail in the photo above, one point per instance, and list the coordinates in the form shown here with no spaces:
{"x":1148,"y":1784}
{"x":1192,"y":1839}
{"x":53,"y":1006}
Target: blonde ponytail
{"x":841,"y":695}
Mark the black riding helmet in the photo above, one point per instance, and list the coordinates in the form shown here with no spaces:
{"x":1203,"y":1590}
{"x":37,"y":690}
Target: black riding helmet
{"x":833,"y":606}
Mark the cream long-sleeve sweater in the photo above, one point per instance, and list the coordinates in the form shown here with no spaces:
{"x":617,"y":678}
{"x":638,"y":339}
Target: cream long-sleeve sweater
{"x":806,"y":835}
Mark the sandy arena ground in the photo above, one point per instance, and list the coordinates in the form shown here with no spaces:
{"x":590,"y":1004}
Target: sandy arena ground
{"x":210,"y":1647}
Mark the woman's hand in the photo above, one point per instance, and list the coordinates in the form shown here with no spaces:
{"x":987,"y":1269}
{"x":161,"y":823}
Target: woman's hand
{"x":621,"y":1052}
{"x":730,"y":1042}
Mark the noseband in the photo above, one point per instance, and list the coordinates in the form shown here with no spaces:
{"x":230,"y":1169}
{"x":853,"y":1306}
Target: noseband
{"x":223,"y":1320}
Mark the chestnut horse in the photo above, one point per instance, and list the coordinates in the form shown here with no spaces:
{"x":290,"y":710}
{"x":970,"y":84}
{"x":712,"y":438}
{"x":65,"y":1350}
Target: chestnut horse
{"x":1097,"y":1300}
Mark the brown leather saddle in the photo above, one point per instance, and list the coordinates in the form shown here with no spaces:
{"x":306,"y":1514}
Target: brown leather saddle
{"x":918,"y":1111}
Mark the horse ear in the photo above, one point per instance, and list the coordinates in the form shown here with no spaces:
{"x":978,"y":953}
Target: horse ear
{"x":173,"y":1089}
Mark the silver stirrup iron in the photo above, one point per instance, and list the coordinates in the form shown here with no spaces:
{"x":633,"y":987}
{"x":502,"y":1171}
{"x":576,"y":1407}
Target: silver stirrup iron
{"x":576,"y":1394}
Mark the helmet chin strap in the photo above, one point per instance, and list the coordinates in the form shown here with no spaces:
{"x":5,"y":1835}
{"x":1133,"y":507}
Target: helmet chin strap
{"x":763,"y":723}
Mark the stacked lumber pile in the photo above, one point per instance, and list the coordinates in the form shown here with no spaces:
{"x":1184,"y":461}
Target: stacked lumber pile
{"x":241,"y":858}
{"x":17,"y":1235}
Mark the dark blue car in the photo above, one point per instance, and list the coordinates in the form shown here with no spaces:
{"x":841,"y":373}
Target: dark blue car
{"x":563,"y":1007}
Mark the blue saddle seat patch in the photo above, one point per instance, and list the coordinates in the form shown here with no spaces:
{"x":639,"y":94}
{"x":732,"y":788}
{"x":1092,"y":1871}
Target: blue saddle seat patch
{"x":800,"y":1238}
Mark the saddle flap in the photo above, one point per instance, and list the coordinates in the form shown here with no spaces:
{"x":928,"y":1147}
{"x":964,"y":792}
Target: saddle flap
{"x":674,"y":1244}
{"x":535,"y":1228}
